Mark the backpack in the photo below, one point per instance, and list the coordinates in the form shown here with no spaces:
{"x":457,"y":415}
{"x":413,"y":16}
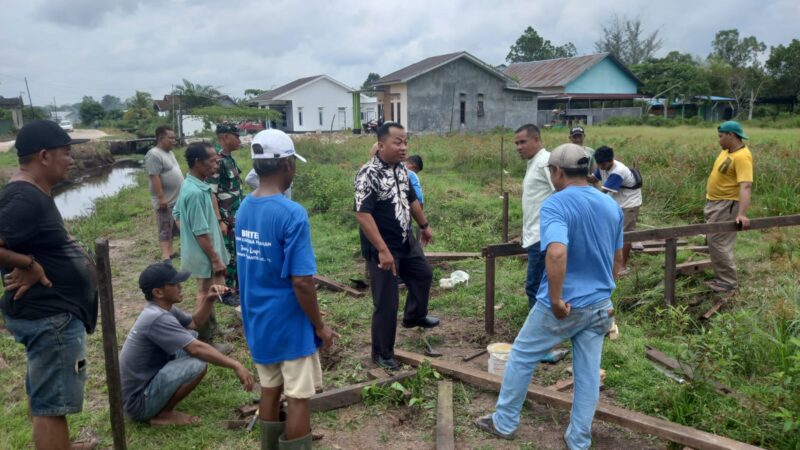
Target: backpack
{"x":637,"y":176}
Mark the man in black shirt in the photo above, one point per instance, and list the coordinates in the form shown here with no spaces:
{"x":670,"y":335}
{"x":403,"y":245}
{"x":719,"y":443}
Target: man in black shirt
{"x":384,"y":205}
{"x":50,"y":298}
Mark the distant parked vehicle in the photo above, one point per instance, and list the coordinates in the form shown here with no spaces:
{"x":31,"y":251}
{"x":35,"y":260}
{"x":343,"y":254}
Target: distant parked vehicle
{"x":66,"y":125}
{"x":250,"y":127}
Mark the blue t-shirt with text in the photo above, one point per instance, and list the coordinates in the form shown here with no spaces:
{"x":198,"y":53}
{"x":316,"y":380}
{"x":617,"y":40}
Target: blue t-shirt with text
{"x":589,"y":223}
{"x":273,"y":243}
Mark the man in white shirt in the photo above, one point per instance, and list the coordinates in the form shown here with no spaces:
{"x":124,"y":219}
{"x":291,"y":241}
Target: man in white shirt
{"x":536,"y":187}
{"x":621,"y":184}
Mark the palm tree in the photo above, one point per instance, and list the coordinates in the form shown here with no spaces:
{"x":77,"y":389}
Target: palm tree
{"x":140,"y":106}
{"x":196,"y":95}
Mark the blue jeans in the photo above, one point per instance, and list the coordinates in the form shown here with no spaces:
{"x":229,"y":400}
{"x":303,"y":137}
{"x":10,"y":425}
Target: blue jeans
{"x":56,"y":351}
{"x":535,"y":272}
{"x":586,"y":328}
{"x":181,"y":370}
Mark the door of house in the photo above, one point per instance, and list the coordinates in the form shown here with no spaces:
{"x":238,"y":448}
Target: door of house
{"x":342,"y":114}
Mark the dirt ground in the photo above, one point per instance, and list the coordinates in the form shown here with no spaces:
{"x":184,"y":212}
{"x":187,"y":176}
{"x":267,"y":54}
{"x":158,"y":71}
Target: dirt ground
{"x":77,"y":134}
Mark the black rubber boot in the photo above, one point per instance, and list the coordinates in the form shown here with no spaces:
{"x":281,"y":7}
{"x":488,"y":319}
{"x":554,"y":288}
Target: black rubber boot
{"x":301,"y":443}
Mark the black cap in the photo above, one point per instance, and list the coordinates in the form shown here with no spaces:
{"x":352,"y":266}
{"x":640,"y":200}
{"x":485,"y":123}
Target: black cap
{"x":160,"y":274}
{"x":42,"y":135}
{"x":223,"y":128}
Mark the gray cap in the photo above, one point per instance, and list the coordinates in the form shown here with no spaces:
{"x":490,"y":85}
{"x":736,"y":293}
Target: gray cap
{"x":569,"y":156}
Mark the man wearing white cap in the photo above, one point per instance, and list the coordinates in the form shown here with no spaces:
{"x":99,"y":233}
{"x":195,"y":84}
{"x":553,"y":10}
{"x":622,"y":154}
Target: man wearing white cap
{"x":582,"y":234}
{"x":282,"y":322}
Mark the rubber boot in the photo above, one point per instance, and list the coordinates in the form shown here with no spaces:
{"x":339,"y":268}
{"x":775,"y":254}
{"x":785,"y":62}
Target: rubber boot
{"x":301,"y":443}
{"x":270,"y":433}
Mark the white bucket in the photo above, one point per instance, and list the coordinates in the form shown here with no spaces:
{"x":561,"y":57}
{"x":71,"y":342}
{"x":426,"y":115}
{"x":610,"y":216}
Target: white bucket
{"x":498,"y":356}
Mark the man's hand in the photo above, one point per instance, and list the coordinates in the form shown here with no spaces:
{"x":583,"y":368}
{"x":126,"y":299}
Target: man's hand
{"x":245,"y":377}
{"x":328,"y":336}
{"x":426,"y":236}
{"x":386,"y":261}
{"x":162,"y":204}
{"x":216,"y":291}
{"x":591,"y":179}
{"x":223,"y":227}
{"x":560,"y":309}
{"x":218,"y":267}
{"x":22,"y":280}
{"x":744,"y":221}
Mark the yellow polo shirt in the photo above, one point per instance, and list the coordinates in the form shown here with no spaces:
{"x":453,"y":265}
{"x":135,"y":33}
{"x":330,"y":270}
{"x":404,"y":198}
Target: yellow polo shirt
{"x":729,"y":170}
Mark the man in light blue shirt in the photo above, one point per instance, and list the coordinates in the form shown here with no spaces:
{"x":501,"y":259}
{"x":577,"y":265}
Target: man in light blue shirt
{"x":414,"y":166}
{"x":582,"y":235}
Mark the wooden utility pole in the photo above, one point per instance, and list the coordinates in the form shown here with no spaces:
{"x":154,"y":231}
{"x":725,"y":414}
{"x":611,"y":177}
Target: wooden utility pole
{"x":110,"y":343}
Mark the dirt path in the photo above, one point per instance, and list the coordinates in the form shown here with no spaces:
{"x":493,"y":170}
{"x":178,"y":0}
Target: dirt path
{"x":77,"y":134}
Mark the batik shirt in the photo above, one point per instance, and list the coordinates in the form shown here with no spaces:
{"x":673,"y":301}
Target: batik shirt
{"x":383,"y":190}
{"x":227,"y":185}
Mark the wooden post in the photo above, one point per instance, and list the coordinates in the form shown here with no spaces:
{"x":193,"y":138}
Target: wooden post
{"x":444,"y":417}
{"x":505,"y":216}
{"x":488,"y":314}
{"x":113,"y":381}
{"x":670,"y":270}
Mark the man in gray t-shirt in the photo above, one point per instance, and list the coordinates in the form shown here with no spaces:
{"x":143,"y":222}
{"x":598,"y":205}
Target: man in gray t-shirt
{"x":165,"y":184}
{"x":161,"y":361}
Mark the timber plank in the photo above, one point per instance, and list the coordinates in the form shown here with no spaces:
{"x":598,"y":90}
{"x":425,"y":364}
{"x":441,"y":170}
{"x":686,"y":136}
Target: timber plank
{"x":717,"y":305}
{"x":692,"y":267}
{"x":693,"y":248}
{"x":349,"y":395}
{"x":444,"y":417}
{"x":674,"y":432}
{"x":338,"y":287}
{"x":706,"y":228}
{"x":450,"y":256}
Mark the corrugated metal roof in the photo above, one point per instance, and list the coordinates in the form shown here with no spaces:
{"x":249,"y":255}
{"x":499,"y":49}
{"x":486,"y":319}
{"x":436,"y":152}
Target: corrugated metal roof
{"x":557,"y":72}
{"x":269,"y":95}
{"x":416,"y":69}
{"x":11,"y":102}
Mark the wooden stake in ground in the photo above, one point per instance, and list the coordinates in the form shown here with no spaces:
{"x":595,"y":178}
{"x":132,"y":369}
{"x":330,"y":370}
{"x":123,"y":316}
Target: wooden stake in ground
{"x":635,"y":421}
{"x":444,"y":417}
{"x":110,"y":343}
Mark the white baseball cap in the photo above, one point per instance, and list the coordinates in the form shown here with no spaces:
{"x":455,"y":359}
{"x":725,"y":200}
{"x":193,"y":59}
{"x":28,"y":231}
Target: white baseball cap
{"x":269,"y":144}
{"x":569,"y":156}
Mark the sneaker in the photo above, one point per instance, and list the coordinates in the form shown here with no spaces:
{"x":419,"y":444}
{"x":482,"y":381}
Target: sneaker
{"x":486,"y":424}
{"x":386,"y":363}
{"x":230,"y":299}
{"x":719,"y":286}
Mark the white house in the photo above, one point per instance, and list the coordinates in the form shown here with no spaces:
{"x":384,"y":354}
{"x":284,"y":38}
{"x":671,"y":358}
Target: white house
{"x":369,"y":108}
{"x":317,"y":103}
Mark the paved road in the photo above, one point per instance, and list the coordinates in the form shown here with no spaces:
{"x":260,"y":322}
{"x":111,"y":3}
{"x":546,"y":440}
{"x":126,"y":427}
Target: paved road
{"x":77,"y":134}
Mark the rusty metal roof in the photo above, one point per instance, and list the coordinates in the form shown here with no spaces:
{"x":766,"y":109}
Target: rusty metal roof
{"x":426,"y":65}
{"x":558,"y":72}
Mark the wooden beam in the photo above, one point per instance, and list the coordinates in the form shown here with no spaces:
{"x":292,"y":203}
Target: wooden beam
{"x":692,"y":248}
{"x":510,"y":249}
{"x":349,"y":395}
{"x":717,"y":305}
{"x":670,"y":259}
{"x":660,"y":243}
{"x":450,"y":256}
{"x":338,"y":287}
{"x":706,"y":228}
{"x":488,"y":312}
{"x":109,"y":326}
{"x":635,"y":421}
{"x":444,"y":417}
{"x":692,"y":267}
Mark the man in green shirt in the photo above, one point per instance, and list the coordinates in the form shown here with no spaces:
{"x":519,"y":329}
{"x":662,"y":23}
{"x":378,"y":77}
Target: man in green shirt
{"x":203,"y":251}
{"x":226,"y":183}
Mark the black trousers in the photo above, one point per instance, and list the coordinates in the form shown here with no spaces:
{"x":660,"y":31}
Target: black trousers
{"x":416,"y":273}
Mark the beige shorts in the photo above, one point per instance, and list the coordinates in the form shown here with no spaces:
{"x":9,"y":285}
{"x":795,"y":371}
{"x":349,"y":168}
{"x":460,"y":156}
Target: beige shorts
{"x":167,"y":229}
{"x":629,"y":218}
{"x":301,"y":377}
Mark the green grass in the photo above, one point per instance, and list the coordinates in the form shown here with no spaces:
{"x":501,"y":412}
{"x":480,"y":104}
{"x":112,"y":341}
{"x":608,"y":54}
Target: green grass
{"x":753,"y":345}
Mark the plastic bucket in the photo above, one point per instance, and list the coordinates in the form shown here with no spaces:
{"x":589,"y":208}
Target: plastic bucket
{"x":498,"y":356}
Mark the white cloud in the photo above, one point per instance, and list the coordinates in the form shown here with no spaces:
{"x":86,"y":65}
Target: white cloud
{"x":71,"y":48}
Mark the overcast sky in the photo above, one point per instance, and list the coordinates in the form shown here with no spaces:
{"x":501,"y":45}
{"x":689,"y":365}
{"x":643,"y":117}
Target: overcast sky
{"x":71,"y":48}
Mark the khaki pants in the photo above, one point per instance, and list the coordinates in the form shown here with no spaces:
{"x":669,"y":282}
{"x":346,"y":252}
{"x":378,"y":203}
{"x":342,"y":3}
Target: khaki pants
{"x":720,"y":245}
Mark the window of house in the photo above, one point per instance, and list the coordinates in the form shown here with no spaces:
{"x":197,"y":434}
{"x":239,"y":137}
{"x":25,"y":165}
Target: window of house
{"x":397,"y":116}
{"x":320,"y":115}
{"x":522,"y":98}
{"x":463,"y":108}
{"x":300,"y":116}
{"x":481,"y":111}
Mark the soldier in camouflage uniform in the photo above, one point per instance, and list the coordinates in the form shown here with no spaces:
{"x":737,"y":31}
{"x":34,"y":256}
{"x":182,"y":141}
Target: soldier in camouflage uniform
{"x":227,"y":187}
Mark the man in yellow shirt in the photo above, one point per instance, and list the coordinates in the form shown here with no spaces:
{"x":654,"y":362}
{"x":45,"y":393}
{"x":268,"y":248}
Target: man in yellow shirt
{"x":728,"y":192}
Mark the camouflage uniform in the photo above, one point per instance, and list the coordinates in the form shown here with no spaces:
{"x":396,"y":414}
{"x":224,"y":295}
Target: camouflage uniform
{"x":227,"y":186}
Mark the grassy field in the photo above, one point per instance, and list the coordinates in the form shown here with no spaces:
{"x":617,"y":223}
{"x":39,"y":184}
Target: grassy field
{"x":753,"y":345}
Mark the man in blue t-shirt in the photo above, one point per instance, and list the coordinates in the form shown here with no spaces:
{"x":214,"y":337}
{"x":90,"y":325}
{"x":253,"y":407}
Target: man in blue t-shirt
{"x":414,"y":165}
{"x":582,"y":232}
{"x":282,"y":322}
